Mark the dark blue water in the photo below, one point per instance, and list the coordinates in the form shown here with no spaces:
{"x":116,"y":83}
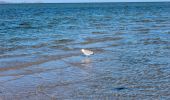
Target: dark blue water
{"x":40,"y":54}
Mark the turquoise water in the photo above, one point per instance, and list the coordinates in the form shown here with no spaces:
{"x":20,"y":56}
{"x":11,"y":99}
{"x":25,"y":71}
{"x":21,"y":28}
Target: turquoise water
{"x":40,"y":51}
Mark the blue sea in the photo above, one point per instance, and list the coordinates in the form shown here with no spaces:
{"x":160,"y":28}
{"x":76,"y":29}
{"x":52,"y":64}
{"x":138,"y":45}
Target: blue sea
{"x":40,"y":57}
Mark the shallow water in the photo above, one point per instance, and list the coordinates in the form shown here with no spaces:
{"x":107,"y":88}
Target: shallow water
{"x":40,"y":54}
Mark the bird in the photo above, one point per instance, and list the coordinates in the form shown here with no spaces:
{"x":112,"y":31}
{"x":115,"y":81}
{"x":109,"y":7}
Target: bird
{"x":87,"y":52}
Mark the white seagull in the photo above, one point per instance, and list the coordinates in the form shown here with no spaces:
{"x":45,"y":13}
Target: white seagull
{"x":87,"y":52}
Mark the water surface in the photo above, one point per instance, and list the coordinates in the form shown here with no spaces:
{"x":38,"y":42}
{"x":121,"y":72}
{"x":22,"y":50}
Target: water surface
{"x":40,"y":54}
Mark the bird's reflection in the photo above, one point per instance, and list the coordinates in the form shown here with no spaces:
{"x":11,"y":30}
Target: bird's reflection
{"x":87,"y":62}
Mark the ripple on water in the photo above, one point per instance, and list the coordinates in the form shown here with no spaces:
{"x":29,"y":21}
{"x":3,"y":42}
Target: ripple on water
{"x":99,"y":32}
{"x":63,"y":41}
{"x":26,"y":25}
{"x":148,"y":41}
{"x":145,"y":21}
{"x":104,"y":39}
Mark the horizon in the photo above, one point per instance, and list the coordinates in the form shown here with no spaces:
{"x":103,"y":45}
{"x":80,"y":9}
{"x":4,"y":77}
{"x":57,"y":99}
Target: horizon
{"x":77,"y":1}
{"x":1,"y":2}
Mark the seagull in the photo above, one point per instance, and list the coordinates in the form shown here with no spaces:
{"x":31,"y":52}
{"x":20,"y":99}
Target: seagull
{"x":87,"y":52}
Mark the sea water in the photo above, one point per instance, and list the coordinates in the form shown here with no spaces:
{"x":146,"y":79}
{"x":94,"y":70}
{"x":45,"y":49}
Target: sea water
{"x":40,"y":51}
